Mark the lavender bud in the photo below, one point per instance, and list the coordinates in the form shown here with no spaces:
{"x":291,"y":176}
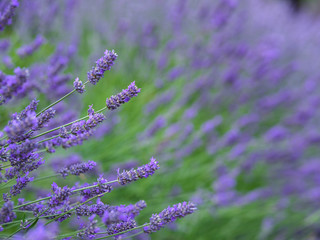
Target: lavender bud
{"x":59,"y":196}
{"x":7,"y":14}
{"x":124,"y":96}
{"x":78,"y":85}
{"x":103,"y":64}
{"x":44,"y":118}
{"x":120,"y":227}
{"x":168,"y":215}
{"x":145,"y":171}
{"x":77,"y":169}
{"x":21,"y":183}
{"x":6,"y":213}
{"x":30,"y":48}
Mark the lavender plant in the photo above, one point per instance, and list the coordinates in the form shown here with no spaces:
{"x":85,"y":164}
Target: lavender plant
{"x":231,"y":113}
{"x":32,"y":134}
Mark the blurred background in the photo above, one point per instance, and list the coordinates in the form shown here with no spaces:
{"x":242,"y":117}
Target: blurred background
{"x":228,"y":106}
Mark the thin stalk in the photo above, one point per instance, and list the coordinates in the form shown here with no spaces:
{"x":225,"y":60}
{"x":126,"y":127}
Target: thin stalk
{"x":74,"y":191}
{"x":133,"y":235}
{"x":61,"y":214}
{"x":116,"y":234}
{"x":65,"y":125}
{"x":59,"y":100}
{"x":33,"y":221}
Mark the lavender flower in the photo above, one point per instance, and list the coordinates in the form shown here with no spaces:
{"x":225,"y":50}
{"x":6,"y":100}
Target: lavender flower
{"x":145,"y":171}
{"x":60,"y":195}
{"x":12,"y":85}
{"x":78,"y":85}
{"x":6,"y":213}
{"x":44,"y":118}
{"x":102,"y":186}
{"x":120,"y":227}
{"x":7,"y":14}
{"x":168,"y":215}
{"x":87,"y":210}
{"x":115,"y":101}
{"x":21,"y":183}
{"x":77,"y":168}
{"x":122,"y":213}
{"x":30,"y":48}
{"x":17,"y":130}
{"x":103,"y":64}
{"x":89,"y":231}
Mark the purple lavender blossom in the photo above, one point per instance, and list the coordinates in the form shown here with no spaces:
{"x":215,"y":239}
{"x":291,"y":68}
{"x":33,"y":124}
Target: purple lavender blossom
{"x":21,"y":183}
{"x":78,"y":86}
{"x":18,"y":130}
{"x":122,"y":213}
{"x":90,"y":231}
{"x":102,"y":186}
{"x":87,"y":210}
{"x":103,"y":64}
{"x":6,"y":212}
{"x":7,"y":14}
{"x":31,"y":48}
{"x":77,"y":168}
{"x":120,"y":227}
{"x":11,"y":85}
{"x":44,"y":118}
{"x":59,"y":196}
{"x":169,"y":215}
{"x":124,"y":96}
{"x":145,"y":171}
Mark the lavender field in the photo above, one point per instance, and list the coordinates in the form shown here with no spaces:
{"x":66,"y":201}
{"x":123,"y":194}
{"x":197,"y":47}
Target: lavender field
{"x":172,"y":119}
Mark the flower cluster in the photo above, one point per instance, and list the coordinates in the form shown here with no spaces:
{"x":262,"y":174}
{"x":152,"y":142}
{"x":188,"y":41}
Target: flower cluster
{"x":7,"y":13}
{"x":168,"y":215}
{"x":145,"y":171}
{"x":124,"y":96}
{"x":103,"y":64}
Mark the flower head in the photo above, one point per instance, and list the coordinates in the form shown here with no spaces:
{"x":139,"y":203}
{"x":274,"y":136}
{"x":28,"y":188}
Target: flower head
{"x":103,"y":64}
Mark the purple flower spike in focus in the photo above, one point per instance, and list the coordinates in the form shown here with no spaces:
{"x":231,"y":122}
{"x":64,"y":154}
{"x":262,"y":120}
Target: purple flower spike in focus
{"x":7,"y":14}
{"x":21,"y":183}
{"x":78,"y":85}
{"x":77,"y":168}
{"x":122,"y":226}
{"x":103,"y":64}
{"x":6,"y":213}
{"x":59,"y":196}
{"x":124,"y":96}
{"x":168,"y":215}
{"x":145,"y":171}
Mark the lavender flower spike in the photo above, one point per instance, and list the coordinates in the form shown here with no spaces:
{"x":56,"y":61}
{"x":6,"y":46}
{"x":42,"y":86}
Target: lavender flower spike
{"x":31,"y":48}
{"x":145,"y":171}
{"x":103,"y":64}
{"x":168,"y":215}
{"x":124,"y":96}
{"x":78,"y":85}
{"x":7,"y":14}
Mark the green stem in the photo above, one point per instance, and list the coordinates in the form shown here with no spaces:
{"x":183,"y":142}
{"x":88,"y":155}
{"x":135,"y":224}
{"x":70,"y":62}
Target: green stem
{"x":61,"y":214}
{"x":116,"y":234}
{"x":133,"y":235}
{"x":32,"y":202}
{"x":74,"y":191}
{"x":65,"y":125}
{"x":59,"y":100}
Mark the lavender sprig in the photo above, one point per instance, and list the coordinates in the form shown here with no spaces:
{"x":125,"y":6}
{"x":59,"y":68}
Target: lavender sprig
{"x":145,"y":171}
{"x":124,"y":96}
{"x":103,"y":64}
{"x":168,"y":215}
{"x":7,"y":14}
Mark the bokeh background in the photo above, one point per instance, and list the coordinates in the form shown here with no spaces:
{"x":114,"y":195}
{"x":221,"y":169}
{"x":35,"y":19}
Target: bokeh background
{"x":228,"y":106}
